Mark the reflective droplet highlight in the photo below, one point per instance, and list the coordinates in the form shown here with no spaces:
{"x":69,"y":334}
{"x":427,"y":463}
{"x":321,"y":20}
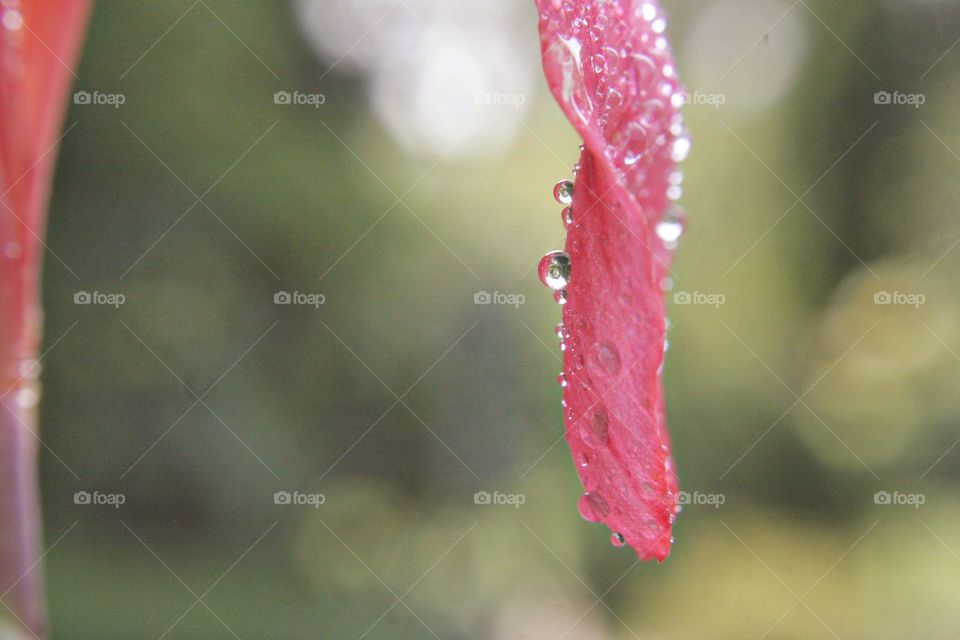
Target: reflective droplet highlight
{"x":617,"y":539}
{"x":563,"y":192}
{"x":670,"y":228}
{"x":554,"y":270}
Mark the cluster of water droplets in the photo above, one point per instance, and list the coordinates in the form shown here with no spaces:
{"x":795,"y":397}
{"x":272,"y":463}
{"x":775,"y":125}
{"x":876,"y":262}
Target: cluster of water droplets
{"x":554,"y":268}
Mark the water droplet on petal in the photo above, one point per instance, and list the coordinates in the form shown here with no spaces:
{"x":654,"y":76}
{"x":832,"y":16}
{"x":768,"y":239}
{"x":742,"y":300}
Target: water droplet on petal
{"x":567,"y":217}
{"x":595,"y":429}
{"x":27,"y":398}
{"x":560,"y":297}
{"x":561,"y":380}
{"x":554,"y":270}
{"x":607,"y":356}
{"x":681,"y":149}
{"x":670,"y":228}
{"x":592,"y":507}
{"x":617,"y":539}
{"x":563,"y":192}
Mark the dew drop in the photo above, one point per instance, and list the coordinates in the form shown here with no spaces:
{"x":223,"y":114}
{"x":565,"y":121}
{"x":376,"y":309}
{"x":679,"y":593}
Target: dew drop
{"x":617,"y":539}
{"x":592,"y":507}
{"x":559,"y":330}
{"x":670,"y":227}
{"x":27,"y":398}
{"x":560,"y":297}
{"x":595,"y":429}
{"x":607,"y":356}
{"x":599,"y":64}
{"x":681,"y":149}
{"x":567,"y":217}
{"x":563,"y":192}
{"x":554,"y":270}
{"x":562,"y":380}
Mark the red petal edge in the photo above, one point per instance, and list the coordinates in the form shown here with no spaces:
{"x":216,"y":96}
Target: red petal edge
{"x":609,"y":66}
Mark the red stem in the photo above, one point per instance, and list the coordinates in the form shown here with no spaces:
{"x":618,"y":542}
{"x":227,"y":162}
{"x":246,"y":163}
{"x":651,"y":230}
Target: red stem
{"x":39,"y":42}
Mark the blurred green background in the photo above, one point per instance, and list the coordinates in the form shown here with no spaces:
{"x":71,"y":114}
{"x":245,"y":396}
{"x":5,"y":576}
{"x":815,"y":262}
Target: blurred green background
{"x":422,"y":179}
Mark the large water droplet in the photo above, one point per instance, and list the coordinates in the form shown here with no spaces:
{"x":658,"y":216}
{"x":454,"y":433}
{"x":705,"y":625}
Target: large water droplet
{"x":592,"y":507}
{"x":563,"y":191}
{"x":607,"y":356}
{"x":554,"y":270}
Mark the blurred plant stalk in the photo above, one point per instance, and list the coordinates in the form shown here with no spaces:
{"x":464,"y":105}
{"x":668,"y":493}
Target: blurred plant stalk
{"x":39,"y":44}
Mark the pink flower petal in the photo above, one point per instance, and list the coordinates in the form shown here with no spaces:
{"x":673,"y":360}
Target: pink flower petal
{"x":609,"y":67}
